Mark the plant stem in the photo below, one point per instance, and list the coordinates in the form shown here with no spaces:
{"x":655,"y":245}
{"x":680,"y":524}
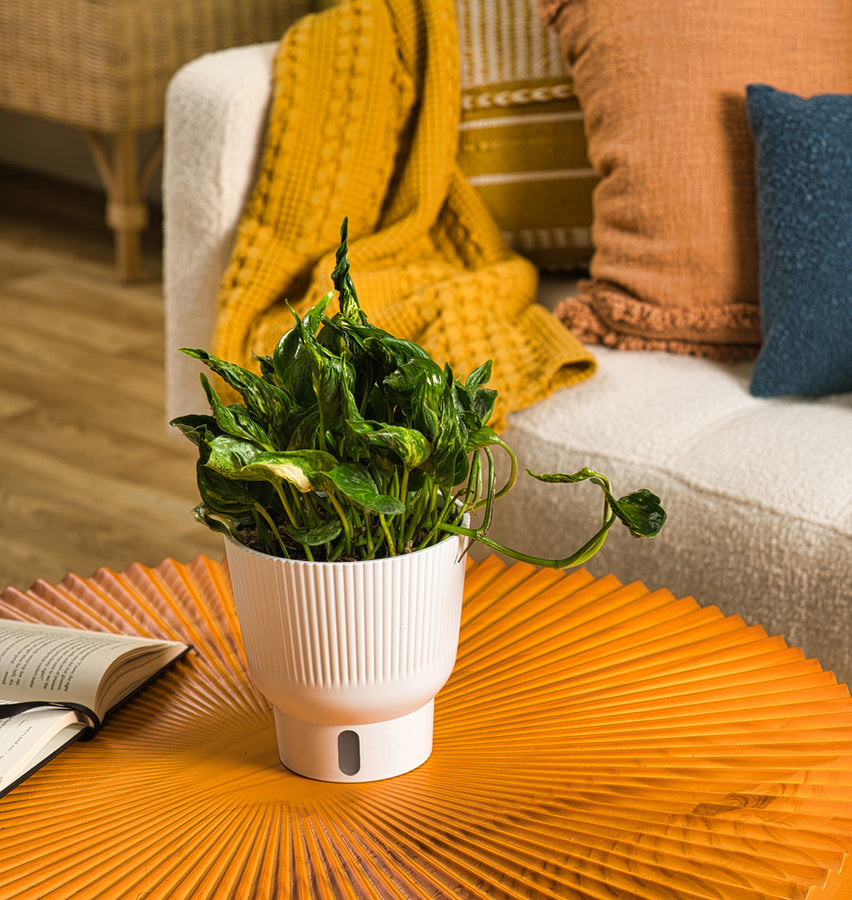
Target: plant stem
{"x":282,"y":496}
{"x":441,"y":521}
{"x":272,"y":527}
{"x":344,"y":519}
{"x":513,"y":472}
{"x":388,"y":535}
{"x":417,"y":515}
{"x":403,"y":496}
{"x":510,"y":481}
{"x":489,"y":494}
{"x":473,"y":486}
{"x":586,"y":552}
{"x":279,"y":489}
{"x":368,"y":534}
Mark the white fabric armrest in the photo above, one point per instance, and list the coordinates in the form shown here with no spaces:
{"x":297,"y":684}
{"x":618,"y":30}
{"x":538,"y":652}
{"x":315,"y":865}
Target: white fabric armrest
{"x":215,"y":116}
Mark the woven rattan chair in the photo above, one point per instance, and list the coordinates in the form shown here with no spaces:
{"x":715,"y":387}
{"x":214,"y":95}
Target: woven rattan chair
{"x":103,"y":66}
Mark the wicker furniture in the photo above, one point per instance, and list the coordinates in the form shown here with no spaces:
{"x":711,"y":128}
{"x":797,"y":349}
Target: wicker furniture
{"x":103,"y":66}
{"x":596,"y":740}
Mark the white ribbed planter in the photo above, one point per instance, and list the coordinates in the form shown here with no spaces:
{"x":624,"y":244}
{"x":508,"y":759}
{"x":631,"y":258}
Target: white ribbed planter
{"x":351,"y":654}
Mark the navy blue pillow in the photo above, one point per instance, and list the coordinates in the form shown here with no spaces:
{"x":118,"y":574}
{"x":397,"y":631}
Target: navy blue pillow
{"x":804,"y":222}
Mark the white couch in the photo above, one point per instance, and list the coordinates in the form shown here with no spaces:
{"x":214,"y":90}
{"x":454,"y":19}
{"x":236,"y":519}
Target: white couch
{"x":758,"y":492}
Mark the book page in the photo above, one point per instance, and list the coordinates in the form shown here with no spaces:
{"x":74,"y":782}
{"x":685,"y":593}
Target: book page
{"x":43,"y":663}
{"x":33,"y":737}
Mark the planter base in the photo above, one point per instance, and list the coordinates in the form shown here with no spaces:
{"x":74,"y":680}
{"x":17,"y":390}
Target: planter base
{"x":367,"y":752}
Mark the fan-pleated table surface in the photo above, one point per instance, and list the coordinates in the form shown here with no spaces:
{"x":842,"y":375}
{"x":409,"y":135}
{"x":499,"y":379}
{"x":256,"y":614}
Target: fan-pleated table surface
{"x":596,"y":740}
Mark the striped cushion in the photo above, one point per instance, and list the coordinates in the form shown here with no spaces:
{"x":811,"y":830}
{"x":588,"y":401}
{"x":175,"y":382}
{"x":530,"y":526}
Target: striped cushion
{"x":521,"y":140}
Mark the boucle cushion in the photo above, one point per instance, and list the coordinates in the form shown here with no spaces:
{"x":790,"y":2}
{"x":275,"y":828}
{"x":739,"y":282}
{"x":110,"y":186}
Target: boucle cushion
{"x":521,"y":141}
{"x":662,"y":86}
{"x":804,"y":204}
{"x":758,"y":493}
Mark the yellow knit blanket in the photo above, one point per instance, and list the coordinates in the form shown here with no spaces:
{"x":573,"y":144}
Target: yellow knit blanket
{"x":364,"y":123}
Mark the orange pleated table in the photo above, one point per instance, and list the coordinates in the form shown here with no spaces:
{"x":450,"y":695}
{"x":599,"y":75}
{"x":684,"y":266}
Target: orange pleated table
{"x":596,"y":740}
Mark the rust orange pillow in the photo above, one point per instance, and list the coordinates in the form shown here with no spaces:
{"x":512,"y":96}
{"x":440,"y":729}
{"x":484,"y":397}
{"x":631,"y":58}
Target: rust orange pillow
{"x":662,"y":86}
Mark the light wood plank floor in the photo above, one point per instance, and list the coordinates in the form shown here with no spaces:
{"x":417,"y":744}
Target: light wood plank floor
{"x":90,"y":474}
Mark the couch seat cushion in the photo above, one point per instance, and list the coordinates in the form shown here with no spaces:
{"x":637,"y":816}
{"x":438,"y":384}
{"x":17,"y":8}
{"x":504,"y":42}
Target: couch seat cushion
{"x":758,"y":492}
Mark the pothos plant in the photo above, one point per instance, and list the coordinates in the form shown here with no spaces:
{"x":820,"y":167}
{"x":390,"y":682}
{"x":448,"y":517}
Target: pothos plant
{"x":351,"y":443}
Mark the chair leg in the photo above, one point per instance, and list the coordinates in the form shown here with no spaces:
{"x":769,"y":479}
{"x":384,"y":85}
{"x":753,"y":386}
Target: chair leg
{"x":125,"y":184}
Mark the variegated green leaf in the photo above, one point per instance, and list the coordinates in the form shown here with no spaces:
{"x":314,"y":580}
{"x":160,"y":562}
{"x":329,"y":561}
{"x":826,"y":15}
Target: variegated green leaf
{"x":267,"y":402}
{"x":297,"y":467}
{"x":235,"y":419}
{"x":227,"y":454}
{"x":356,"y":484}
{"x":228,"y":496}
{"x":482,"y":437}
{"x":642,"y":513}
{"x":448,"y":451}
{"x":479,"y":376}
{"x":195,"y":427}
{"x":203,"y":514}
{"x":410,"y":446}
{"x":315,"y":537}
{"x":349,"y":307}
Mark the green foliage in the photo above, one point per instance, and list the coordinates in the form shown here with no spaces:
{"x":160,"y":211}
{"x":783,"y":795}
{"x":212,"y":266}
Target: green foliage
{"x":354,"y":444}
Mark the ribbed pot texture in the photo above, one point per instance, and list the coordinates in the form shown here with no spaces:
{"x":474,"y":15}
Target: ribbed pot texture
{"x":349,"y":642}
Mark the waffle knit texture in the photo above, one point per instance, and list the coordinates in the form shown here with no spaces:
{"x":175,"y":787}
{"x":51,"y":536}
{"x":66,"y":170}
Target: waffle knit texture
{"x":364,"y":124}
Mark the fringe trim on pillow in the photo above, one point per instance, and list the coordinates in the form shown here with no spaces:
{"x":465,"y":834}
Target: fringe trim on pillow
{"x":598,"y":315}
{"x":549,"y":10}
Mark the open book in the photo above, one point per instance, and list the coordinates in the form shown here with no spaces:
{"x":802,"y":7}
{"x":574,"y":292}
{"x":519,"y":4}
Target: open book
{"x":58,"y":685}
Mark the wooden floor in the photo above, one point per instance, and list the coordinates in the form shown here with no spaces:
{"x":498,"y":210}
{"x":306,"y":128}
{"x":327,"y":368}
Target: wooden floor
{"x":90,"y":474}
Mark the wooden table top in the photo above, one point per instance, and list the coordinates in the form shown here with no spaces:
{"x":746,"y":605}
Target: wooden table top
{"x":596,"y":740}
